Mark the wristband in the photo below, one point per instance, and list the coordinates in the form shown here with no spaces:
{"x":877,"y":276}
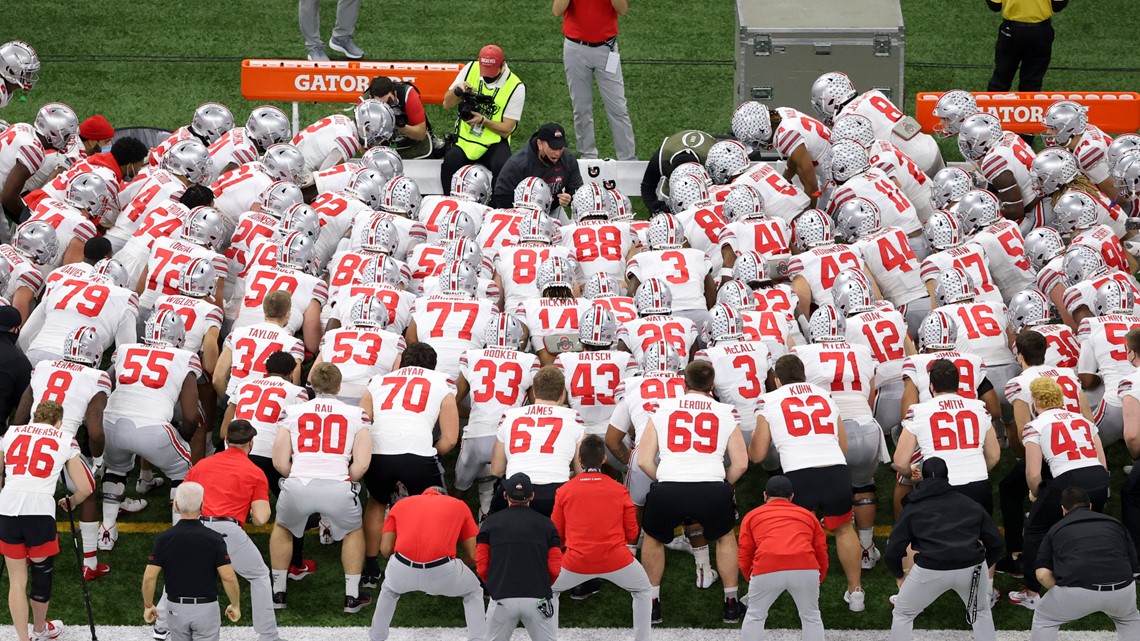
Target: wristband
{"x":725,"y":273}
{"x":817,"y":194}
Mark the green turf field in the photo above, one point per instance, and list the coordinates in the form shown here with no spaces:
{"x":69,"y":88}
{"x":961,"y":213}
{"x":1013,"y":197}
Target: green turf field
{"x":153,"y":64}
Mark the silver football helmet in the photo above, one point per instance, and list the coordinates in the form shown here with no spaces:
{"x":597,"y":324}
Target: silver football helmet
{"x":267,"y":126}
{"x":978,"y":135}
{"x":198,"y":279}
{"x":554,"y":272}
{"x":1126,"y":174}
{"x":848,"y":159}
{"x":1052,"y":169}
{"x":954,"y":285}
{"x":402,"y":196}
{"x":601,"y":285}
{"x":472,"y":182}
{"x":112,"y":271}
{"x":693,"y":169}
{"x":1028,"y":308}
{"x":382,"y":269}
{"x":752,"y":267}
{"x":164,"y":328}
{"x":948,"y":187}
{"x":368,"y":311}
{"x":296,"y":251}
{"x":1043,"y":245}
{"x":686,"y":191}
{"x":977,"y":210}
{"x":942,"y":231}
{"x":504,"y":331}
{"x":664,"y":232}
{"x":285,"y":162}
{"x":1075,"y":211}
{"x":458,"y":224}
{"x":590,"y":201}
{"x":367,"y":185}
{"x":621,"y":208}
{"x":279,"y":197}
{"x":302,"y":218}
{"x":203,"y":226}
{"x":827,"y":325}
{"x":90,"y":193}
{"x":463,"y":249}
{"x":743,"y":202}
{"x":19,"y":64}
{"x":82,"y":346}
{"x":724,"y":324}
{"x":536,"y":227}
{"x":211,"y":120}
{"x":375,"y":122}
{"x":829,"y":93}
{"x":381,"y":235}
{"x":726,"y":160}
{"x":1064,"y":120}
{"x":855,"y":296}
{"x":855,"y":219}
{"x":810,"y":229}
{"x":853,"y":127}
{"x":736,"y":294}
{"x":385,"y":161}
{"x":533,"y":193}
{"x":938,"y":332}
{"x":653,"y":298}
{"x":191,"y":160}
{"x":1115,"y":298}
{"x":1082,"y":262}
{"x":752,"y":125}
{"x":458,"y":279}
{"x":57,"y":124}
{"x":1120,"y":146}
{"x":952,"y":108}
{"x":597,"y":327}
{"x":37,"y":241}
{"x":661,"y":358}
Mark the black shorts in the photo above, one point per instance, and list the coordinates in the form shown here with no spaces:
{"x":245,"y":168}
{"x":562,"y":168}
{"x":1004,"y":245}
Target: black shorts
{"x":824,"y":490}
{"x":265,"y":464}
{"x":417,"y":473}
{"x":543,"y":501}
{"x":981,"y":491}
{"x":28,"y":537}
{"x":669,"y":504}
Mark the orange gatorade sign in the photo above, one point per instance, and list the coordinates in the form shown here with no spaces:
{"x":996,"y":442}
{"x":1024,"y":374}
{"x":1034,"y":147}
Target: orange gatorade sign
{"x":1021,"y":113}
{"x":339,"y":81}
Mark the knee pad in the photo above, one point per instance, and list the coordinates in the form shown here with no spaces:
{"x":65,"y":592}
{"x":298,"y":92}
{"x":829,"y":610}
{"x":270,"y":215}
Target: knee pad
{"x":863,"y":489}
{"x":862,"y":502}
{"x":41,"y":575}
{"x":114,"y":487}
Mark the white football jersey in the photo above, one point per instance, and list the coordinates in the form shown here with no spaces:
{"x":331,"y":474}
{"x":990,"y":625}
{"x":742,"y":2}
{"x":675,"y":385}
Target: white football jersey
{"x":551,"y":316}
{"x":148,"y":382}
{"x":517,"y":267}
{"x":683,"y":269}
{"x":705,"y":230}
{"x":885,"y":116}
{"x":1065,"y":438}
{"x":157,"y":189}
{"x":500,"y":229}
{"x":252,"y":226}
{"x":1092,"y":154}
{"x":1104,"y":351}
{"x":72,"y":385}
{"x":846,"y":370}
{"x":1083,"y":294}
{"x":895,"y":209}
{"x":782,"y":199}
{"x":1004,"y":248}
{"x":820,"y":265}
{"x":361,"y":353}
{"x":304,"y":288}
{"x":486,"y":288}
{"x":692,"y":437}
{"x":774,"y":329}
{"x":335,"y":178}
{"x":251,"y":346}
{"x":499,"y":380}
{"x":69,"y":224}
{"x":424,"y":261}
{"x":199,"y":315}
{"x":954,"y":429}
{"x":337,"y":211}
{"x":769,"y":235}
{"x":893,"y":264}
{"x":1017,"y":389}
{"x":638,"y":397}
{"x":159,"y":150}
{"x":639,"y":334}
{"x":22,"y":272}
{"x":234,"y":147}
{"x":405,"y":408}
{"x":1063,"y":346}
{"x":803,"y":420}
{"x":34,"y":458}
{"x":321,"y":433}
{"x":73,"y":303}
{"x":600,"y":246}
{"x":797,"y":128}
{"x":435,"y":210}
{"x":741,"y":369}
{"x":780,"y":298}
{"x":1015,"y":155}
{"x":336,"y":133}
{"x":57,"y":187}
{"x":262,"y":402}
{"x":345,"y":268}
{"x":20,"y":144}
{"x":592,"y":380}
{"x":168,"y":257}
{"x":971,"y":372}
{"x":161,"y":221}
{"x":971,"y":258}
{"x":1105,"y":240}
{"x":915,"y":184}
{"x":622,"y":307}
{"x":541,"y":441}
{"x":397,"y":301}
{"x":410,"y":232}
{"x":70,"y":271}
{"x":237,"y":190}
{"x":452,"y":325}
{"x":883,"y":331}
{"x":981,"y":331}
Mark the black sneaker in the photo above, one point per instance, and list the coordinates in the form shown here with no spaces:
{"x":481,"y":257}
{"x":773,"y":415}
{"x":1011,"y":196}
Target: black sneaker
{"x":733,"y":610}
{"x":586,"y":590}
{"x":370,"y":581}
{"x":354,"y":605}
{"x":279,"y":601}
{"x":1009,"y":565}
{"x":655,"y":612}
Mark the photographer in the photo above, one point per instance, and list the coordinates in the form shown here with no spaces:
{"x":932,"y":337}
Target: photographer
{"x":413,"y":137}
{"x":544,"y":156}
{"x":490,"y":101}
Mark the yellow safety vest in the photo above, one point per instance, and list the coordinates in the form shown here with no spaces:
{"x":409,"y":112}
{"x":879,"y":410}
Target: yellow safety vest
{"x":474,"y":146}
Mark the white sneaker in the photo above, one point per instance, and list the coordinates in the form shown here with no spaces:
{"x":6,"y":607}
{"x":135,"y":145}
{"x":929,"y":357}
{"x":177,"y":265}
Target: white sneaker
{"x":870,"y":557}
{"x":706,"y":576}
{"x":995,"y":596}
{"x":52,"y":630}
{"x":893,"y":598}
{"x":324,"y":532}
{"x":1024,"y":599}
{"x":107,"y":538}
{"x":132,"y":506}
{"x":855,"y":600}
{"x":145,"y":487}
{"x":680,"y":543}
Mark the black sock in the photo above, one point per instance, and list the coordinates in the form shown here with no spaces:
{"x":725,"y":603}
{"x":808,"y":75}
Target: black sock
{"x":372,"y":565}
{"x":298,"y":548}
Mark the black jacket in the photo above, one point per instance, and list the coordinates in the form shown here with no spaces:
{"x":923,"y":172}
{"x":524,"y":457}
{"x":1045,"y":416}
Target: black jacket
{"x":15,"y":376}
{"x":524,"y":163}
{"x":948,"y":530}
{"x":1087,"y":548}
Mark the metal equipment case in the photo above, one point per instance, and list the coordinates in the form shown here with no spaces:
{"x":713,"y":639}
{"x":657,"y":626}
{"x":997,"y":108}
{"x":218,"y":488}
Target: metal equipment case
{"x":784,"y":45}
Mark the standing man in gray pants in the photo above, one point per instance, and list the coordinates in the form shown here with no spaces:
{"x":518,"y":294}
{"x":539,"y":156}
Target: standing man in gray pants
{"x":954,"y":540}
{"x":1088,"y":562}
{"x":309,"y":15}
{"x":590,"y":52}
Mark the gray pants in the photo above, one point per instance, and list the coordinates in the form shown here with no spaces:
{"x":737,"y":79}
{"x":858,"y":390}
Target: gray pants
{"x":864,"y":442}
{"x":193,"y":621}
{"x":915,"y":312}
{"x":250,"y":565}
{"x":888,"y":405}
{"x":309,"y":15}
{"x":1061,"y":605}
{"x":1110,"y":424}
{"x":764,"y":589}
{"x":583,"y":65}
{"x":504,"y":615}
{"x":923,"y":586}
{"x":452,"y":579}
{"x":632,"y":578}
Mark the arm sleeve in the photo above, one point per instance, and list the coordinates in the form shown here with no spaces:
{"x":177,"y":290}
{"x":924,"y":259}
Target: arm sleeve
{"x":482,"y":559}
{"x":414,"y":107}
{"x":221,"y":554}
{"x":505,"y":183}
{"x":649,"y":182}
{"x":553,"y":555}
{"x":558,"y":516}
{"x":896,"y":545}
{"x":992,"y":539}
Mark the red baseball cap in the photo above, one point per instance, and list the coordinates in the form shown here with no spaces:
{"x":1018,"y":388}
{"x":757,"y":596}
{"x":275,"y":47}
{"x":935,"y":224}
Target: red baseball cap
{"x":490,"y":61}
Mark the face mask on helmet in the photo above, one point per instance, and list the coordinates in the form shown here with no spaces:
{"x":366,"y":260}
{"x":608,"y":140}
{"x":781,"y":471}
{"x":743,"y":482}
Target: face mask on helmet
{"x":1028,"y":308}
{"x":829,"y":93}
{"x":191,"y":160}
{"x":285,"y":162}
{"x":268,"y":126}
{"x":1120,"y":146}
{"x":856,"y":218}
{"x":952,"y":109}
{"x":82,"y":346}
{"x":57,"y":125}
{"x":979,"y":134}
{"x":384,"y":161}
{"x":743,"y":202}
{"x":1064,"y":121}
{"x":114,"y":272}
{"x":302,"y":218}
{"x":211,"y":120}
{"x":1043,"y":245}
{"x":726,"y":160}
{"x":686,"y":191}
{"x":854,"y":297}
{"x":375,"y":122}
{"x":1082,"y":262}
{"x":811,"y":229}
{"x":36,"y":240}
{"x":1126,"y":174}
{"x":1075,"y":211}
{"x":296,"y":251}
{"x":948,"y":187}
{"x":977,"y":210}
{"x":204,"y":227}
{"x":1052,"y":169}
{"x":279,"y":197}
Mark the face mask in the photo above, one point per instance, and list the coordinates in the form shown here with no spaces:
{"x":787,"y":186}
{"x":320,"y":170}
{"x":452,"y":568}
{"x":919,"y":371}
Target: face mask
{"x":5,"y":94}
{"x":488,"y":81}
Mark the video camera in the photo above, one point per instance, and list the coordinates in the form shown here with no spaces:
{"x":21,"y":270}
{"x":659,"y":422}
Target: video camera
{"x":471,"y":103}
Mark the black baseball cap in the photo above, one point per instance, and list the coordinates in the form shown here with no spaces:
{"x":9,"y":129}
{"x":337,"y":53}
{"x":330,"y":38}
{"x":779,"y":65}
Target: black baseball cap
{"x":552,"y":134}
{"x":935,"y":468}
{"x":778,"y":486}
{"x":240,"y":432}
{"x":518,"y":487}
{"x":10,"y":318}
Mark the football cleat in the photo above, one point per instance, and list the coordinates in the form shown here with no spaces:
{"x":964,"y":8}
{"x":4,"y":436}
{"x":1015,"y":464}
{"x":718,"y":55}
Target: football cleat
{"x":107,"y":538}
{"x":52,"y":630}
{"x":324,"y":527}
{"x":706,"y":577}
{"x":352,"y":605}
{"x":279,"y":601}
{"x":132,"y":506}
{"x":92,"y":573}
{"x":1024,"y":598}
{"x":144,"y":487}
{"x":871,"y":556}
{"x":298,"y":572}
{"x":733,"y":611}
{"x":856,"y":601}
